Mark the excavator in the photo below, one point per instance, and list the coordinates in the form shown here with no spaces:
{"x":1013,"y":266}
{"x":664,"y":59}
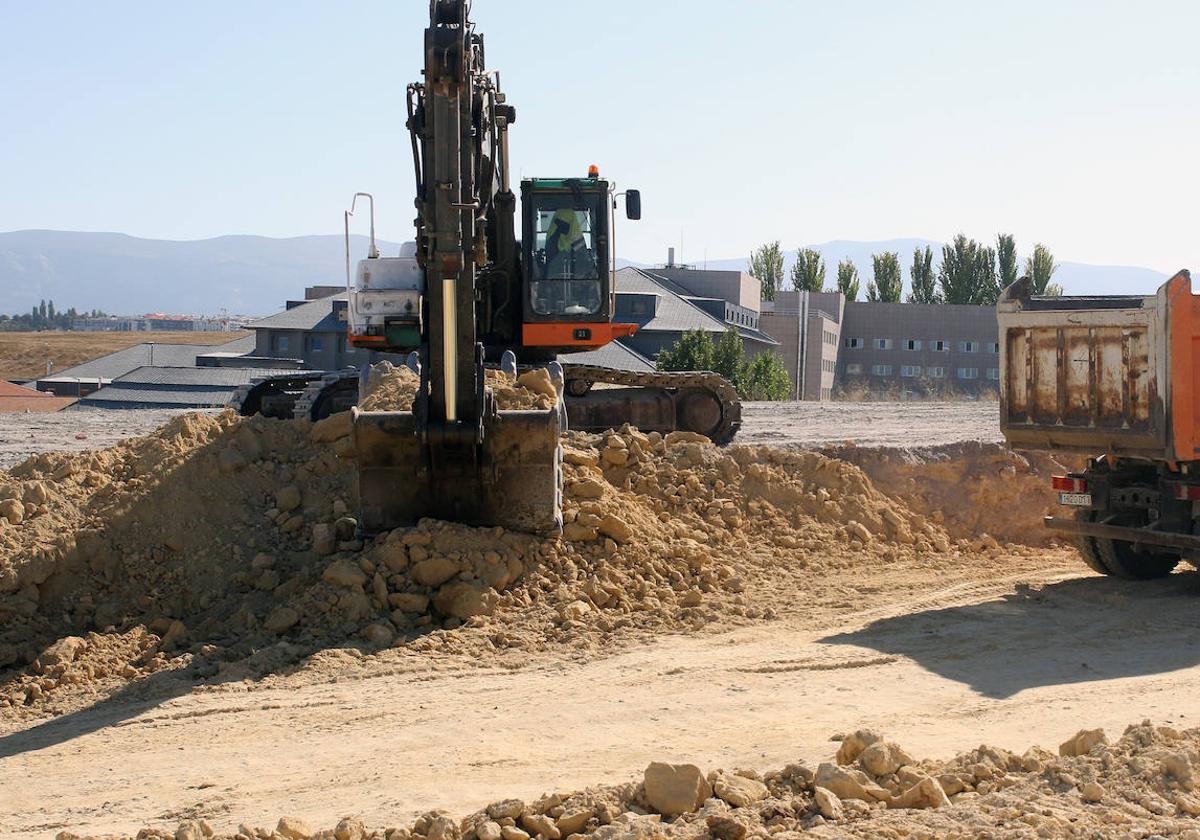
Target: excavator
{"x":467,"y":294}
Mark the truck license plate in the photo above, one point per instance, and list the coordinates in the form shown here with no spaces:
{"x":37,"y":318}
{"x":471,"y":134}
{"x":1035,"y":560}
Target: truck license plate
{"x":1075,"y":499}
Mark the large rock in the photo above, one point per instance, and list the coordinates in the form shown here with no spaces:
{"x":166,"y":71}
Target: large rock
{"x":324,"y":540}
{"x":294,"y":829}
{"x":62,"y":652}
{"x":1082,"y":742}
{"x":849,"y":784}
{"x":926,"y":793}
{"x":883,"y":758}
{"x":854,"y":744}
{"x":281,"y":619}
{"x":287,"y":498}
{"x":434,"y":571}
{"x":344,"y":573}
{"x":541,"y":825}
{"x":739,"y":791}
{"x":617,"y":528}
{"x":331,"y":428}
{"x":674,"y":789}
{"x":829,"y":806}
{"x":462,"y":600}
{"x":13,"y":511}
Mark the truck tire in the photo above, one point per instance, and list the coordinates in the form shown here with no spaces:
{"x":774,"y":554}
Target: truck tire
{"x":1123,"y":562}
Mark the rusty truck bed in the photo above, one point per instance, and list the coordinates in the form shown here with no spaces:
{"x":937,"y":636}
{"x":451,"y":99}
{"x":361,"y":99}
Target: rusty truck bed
{"x":1102,"y":374}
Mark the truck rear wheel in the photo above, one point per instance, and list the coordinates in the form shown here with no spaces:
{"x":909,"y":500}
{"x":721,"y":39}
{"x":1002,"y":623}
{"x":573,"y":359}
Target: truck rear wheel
{"x":1117,"y":558}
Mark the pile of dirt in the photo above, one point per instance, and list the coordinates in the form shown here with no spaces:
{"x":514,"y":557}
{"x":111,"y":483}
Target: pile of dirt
{"x":232,"y":542}
{"x":1142,"y":785}
{"x":391,"y":388}
{"x":971,"y":488}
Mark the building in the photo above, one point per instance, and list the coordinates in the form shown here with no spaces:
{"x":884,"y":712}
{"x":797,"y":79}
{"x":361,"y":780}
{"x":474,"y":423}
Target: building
{"x":156,"y":322}
{"x":830,"y":346}
{"x":666,"y":303}
{"x":919,"y":348}
{"x":173,"y":387}
{"x":83,"y":379}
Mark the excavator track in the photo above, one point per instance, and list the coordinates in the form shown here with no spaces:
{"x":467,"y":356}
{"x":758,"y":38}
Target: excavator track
{"x":273,"y":396}
{"x":703,"y":402}
{"x":335,"y":391}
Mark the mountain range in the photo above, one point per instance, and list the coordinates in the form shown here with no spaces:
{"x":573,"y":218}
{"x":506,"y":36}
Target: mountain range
{"x":254,"y":275}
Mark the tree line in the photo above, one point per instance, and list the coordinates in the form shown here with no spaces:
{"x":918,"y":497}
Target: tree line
{"x":44,"y":316}
{"x":970,"y":272}
{"x":762,"y":378}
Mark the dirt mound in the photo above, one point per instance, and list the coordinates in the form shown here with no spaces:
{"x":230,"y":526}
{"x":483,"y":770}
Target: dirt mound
{"x":1142,"y":785}
{"x":973,"y":489}
{"x":225,"y":537}
{"x":391,"y":388}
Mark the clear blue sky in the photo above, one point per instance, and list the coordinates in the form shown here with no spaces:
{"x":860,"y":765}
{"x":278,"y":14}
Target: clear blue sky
{"x":1072,"y":123}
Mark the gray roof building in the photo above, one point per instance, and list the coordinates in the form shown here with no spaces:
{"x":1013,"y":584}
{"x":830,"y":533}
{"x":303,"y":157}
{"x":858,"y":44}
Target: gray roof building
{"x":173,"y":387}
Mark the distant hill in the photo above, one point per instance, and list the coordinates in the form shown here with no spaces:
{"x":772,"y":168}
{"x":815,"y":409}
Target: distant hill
{"x":1076,"y":278}
{"x":123,"y":274}
{"x":254,"y":274}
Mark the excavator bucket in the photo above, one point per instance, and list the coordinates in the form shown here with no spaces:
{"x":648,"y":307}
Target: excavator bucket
{"x":512,"y":479}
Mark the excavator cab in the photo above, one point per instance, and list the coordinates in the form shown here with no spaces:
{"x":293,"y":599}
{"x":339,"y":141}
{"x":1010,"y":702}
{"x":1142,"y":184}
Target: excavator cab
{"x":567,"y":260}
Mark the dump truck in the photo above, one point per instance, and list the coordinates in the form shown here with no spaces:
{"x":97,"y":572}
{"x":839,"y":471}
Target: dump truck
{"x":1116,"y":378}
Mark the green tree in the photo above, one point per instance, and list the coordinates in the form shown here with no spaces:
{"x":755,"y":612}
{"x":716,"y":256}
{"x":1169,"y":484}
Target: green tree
{"x":1039,"y":268}
{"x":886,"y":285}
{"x":808,"y":272}
{"x":1006,"y":258}
{"x":693,"y":351}
{"x":729,"y":356}
{"x":924,"y":284}
{"x":765,"y":378}
{"x":968,"y":273}
{"x":847,"y":279}
{"x":766,"y":263}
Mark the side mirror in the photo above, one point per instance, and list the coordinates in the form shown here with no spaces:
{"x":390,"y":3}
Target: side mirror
{"x":633,"y":204}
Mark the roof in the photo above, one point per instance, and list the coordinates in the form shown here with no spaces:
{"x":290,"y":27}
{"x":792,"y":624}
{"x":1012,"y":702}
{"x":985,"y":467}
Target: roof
{"x":676,"y":311}
{"x":210,"y":377}
{"x":175,"y":387}
{"x":316,"y":315}
{"x":168,"y":355}
{"x":614,"y":355}
{"x":42,"y":403}
{"x":11,"y":389}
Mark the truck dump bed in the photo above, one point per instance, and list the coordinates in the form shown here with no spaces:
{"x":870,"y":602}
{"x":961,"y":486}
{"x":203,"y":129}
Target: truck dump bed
{"x":1102,"y":374}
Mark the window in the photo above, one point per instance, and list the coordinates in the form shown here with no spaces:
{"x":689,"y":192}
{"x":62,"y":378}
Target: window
{"x":994,"y":347}
{"x":883,"y":344}
{"x":912,"y":344}
{"x":853,"y":370}
{"x":968,"y":373}
{"x":281,"y":342}
{"x":936,"y":372}
{"x":994,"y":374}
{"x":910,"y":371}
{"x":316,"y":343}
{"x":566,"y":279}
{"x":853,"y":343}
{"x":881,"y":370}
{"x":969,"y":346}
{"x":939,"y":346}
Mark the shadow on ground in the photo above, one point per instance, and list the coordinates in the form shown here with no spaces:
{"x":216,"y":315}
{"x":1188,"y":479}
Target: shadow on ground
{"x":1074,"y":631}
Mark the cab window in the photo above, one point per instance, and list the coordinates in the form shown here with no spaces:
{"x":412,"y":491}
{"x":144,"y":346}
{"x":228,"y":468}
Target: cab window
{"x":566,"y":279}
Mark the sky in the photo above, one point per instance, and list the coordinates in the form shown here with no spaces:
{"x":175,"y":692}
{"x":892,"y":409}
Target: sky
{"x":1069,"y":123}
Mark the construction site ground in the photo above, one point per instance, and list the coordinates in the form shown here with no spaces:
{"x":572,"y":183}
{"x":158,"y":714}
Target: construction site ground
{"x":995,"y":635}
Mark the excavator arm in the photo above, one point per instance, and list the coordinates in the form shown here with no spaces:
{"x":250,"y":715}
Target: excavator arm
{"x":456,"y":455}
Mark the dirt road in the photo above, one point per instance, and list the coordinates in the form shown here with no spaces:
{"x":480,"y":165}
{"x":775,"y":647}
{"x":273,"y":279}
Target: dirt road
{"x":868,"y":423}
{"x":1027,"y":654}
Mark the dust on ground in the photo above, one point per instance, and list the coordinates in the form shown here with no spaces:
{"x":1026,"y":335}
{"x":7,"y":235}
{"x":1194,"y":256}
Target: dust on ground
{"x":23,"y":355}
{"x":75,"y":430}
{"x":893,"y":424}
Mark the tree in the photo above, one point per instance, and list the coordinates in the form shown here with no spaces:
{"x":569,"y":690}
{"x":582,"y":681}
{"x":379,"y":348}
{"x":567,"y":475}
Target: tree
{"x":693,"y":351}
{"x":924,"y":286}
{"x":847,"y":279}
{"x":765,"y":378}
{"x":808,"y":272}
{"x":766,"y":263}
{"x":729,"y":356}
{"x":1006,"y":257}
{"x":1039,"y":268}
{"x":968,"y":273}
{"x":886,"y":285}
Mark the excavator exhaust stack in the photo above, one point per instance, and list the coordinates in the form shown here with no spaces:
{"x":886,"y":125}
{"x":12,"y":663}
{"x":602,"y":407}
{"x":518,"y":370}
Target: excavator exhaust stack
{"x":511,"y":478}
